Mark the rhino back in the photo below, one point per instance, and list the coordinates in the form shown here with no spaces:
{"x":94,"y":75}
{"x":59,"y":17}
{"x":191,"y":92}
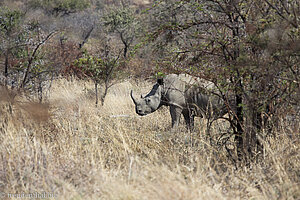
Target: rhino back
{"x":185,"y":89}
{"x":174,"y":89}
{"x":195,"y":81}
{"x":194,"y":93}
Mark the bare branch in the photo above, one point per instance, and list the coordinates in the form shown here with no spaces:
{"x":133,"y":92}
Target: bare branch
{"x":281,"y":14}
{"x":87,"y":36}
{"x":31,"y":58}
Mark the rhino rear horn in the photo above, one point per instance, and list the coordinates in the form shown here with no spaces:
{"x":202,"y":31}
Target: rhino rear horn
{"x":132,"y":97}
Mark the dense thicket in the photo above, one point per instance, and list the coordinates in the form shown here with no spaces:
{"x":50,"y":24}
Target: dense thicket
{"x":249,"y":49}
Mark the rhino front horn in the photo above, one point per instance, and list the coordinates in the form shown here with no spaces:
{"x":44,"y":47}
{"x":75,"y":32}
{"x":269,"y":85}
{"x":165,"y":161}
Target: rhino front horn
{"x":133,"y":99}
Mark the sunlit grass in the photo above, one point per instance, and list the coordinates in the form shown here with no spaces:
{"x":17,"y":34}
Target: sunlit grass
{"x":70,"y":148}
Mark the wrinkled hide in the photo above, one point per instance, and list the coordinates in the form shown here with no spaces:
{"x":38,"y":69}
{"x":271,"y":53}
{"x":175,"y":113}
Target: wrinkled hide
{"x":185,"y":95}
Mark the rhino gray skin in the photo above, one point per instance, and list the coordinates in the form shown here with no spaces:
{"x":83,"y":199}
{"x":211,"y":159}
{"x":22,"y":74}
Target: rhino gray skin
{"x":185,"y":95}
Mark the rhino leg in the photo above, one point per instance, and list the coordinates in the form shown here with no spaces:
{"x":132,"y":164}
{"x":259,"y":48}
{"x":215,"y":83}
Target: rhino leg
{"x":189,"y":119}
{"x":175,"y":115}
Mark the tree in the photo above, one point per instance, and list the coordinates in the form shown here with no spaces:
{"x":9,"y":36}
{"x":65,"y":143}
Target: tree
{"x":247,"y":48}
{"x":123,"y":22}
{"x":99,"y":70}
{"x":9,"y":35}
{"x":25,"y":66}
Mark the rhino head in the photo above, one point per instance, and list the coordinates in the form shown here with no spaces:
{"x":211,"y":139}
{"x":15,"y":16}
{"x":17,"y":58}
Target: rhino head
{"x":150,"y":103}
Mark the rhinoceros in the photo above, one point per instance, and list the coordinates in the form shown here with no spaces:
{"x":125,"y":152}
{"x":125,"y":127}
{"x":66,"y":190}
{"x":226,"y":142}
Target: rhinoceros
{"x":184,"y":94}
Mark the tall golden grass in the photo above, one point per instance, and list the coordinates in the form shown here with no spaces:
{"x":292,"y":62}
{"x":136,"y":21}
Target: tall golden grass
{"x":73,"y":150}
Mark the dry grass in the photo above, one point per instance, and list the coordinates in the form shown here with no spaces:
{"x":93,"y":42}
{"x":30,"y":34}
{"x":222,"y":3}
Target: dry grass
{"x":76,"y":151}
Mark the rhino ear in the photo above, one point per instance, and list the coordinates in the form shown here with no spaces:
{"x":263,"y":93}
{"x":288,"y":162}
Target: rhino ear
{"x":160,"y":81}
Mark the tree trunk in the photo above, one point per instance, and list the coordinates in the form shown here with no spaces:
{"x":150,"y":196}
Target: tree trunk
{"x":126,"y":45}
{"x":40,"y":89}
{"x":96,"y":92}
{"x":6,"y":68}
{"x":239,"y":127}
{"x":105,"y":93}
{"x":239,"y":135}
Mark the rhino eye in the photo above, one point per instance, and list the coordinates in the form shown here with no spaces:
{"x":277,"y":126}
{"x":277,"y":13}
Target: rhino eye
{"x":147,"y":101}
